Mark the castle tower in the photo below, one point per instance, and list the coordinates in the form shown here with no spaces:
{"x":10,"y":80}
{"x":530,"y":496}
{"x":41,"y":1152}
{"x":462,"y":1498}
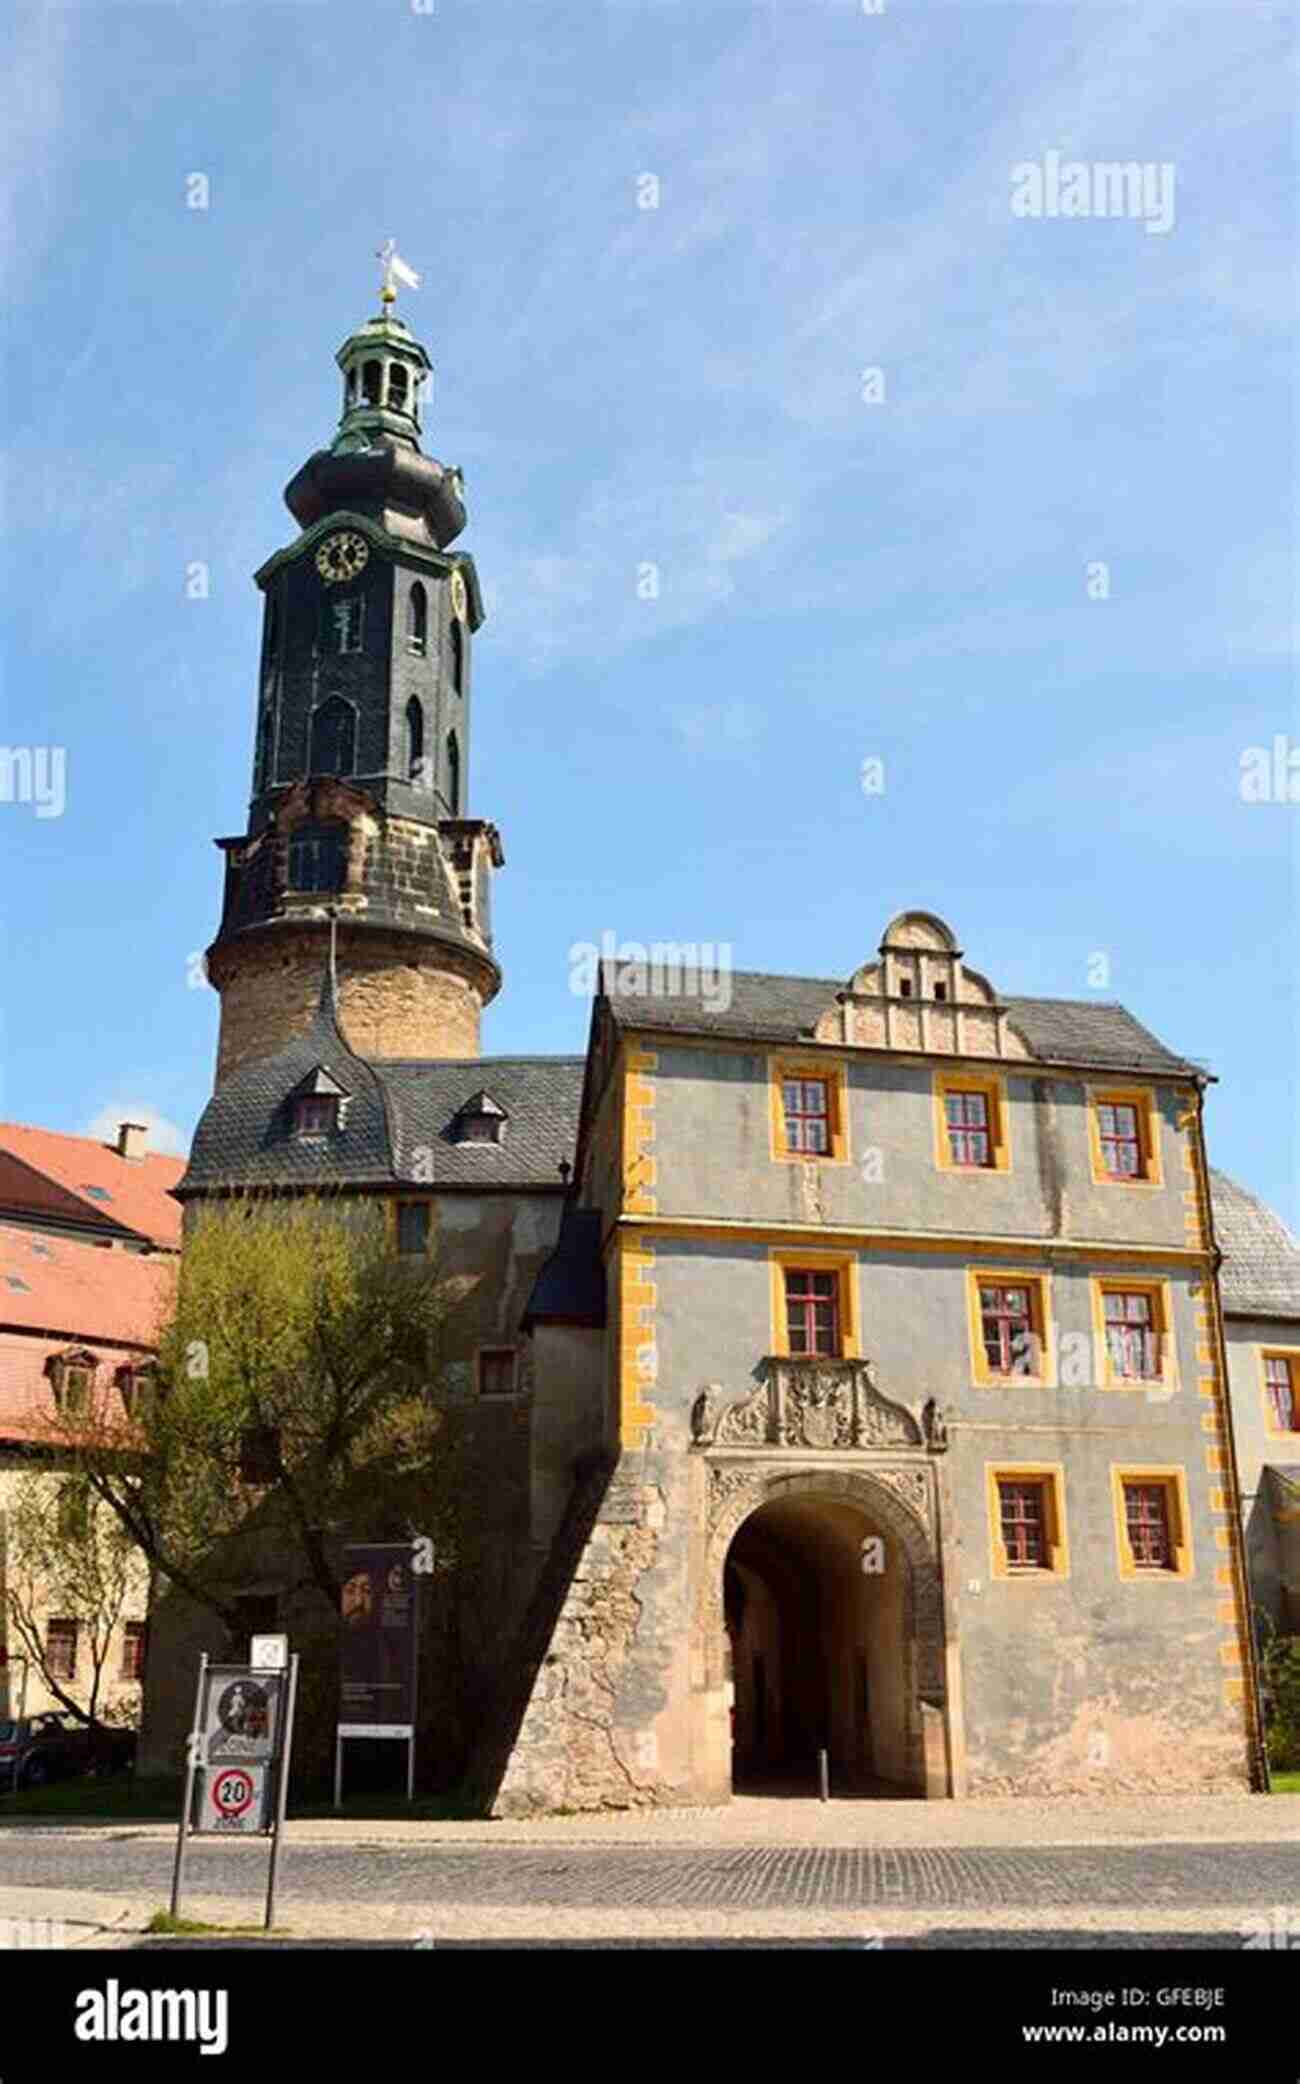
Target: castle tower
{"x":362,"y":744}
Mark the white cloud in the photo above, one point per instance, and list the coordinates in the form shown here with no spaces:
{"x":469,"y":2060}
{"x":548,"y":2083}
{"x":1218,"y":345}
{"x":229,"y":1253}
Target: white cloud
{"x":165,"y":1137}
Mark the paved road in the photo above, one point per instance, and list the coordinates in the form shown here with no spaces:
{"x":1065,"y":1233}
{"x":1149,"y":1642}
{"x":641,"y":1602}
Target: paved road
{"x":814,"y":1878}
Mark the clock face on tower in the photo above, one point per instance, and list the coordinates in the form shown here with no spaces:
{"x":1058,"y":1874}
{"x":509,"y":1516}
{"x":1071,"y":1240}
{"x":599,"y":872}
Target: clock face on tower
{"x":459,"y":601}
{"x":342,"y":556}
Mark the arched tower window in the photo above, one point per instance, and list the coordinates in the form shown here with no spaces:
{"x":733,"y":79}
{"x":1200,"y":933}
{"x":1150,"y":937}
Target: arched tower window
{"x":458,"y":657}
{"x":397,"y":386}
{"x":350,"y":393}
{"x":318,"y":857}
{"x":453,"y":774}
{"x":372,"y":377}
{"x":333,"y":737}
{"x":272,"y":626}
{"x":414,"y":740}
{"x":417,"y":620}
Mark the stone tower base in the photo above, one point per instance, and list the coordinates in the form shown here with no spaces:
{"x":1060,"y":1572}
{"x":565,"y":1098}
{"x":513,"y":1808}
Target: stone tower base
{"x":397,"y":996}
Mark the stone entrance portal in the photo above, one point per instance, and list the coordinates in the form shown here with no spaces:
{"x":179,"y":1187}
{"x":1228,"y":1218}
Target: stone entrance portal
{"x":803,"y":1647}
{"x":817,"y":1649}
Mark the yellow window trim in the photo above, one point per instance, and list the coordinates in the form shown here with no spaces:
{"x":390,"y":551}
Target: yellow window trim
{"x":1174,"y":1479}
{"x":1102,"y":1285}
{"x":834,"y":1076}
{"x":1143,"y":1099}
{"x":1052,"y":1477}
{"x":1287,"y":1353}
{"x":994,"y":1088}
{"x":1040,"y":1288}
{"x":844,"y":1265}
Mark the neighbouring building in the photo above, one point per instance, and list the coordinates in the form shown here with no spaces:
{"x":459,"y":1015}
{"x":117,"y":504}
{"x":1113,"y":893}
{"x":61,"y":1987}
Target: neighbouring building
{"x":1260,"y":1280}
{"x":845,"y":1366}
{"x":89,"y":1238}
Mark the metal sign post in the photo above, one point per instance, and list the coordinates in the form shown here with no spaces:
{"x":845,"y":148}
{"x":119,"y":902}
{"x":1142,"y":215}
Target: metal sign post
{"x":237,"y":1756}
{"x":193,"y":1752}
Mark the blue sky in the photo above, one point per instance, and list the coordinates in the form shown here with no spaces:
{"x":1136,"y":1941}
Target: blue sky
{"x":682,"y":386}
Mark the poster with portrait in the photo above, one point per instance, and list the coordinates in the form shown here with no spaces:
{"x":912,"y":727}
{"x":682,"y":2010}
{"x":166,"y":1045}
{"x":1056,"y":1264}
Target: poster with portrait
{"x":379,"y":1638}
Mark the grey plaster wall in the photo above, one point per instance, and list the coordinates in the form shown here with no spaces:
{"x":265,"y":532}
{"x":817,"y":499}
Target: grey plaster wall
{"x":713,"y":1137}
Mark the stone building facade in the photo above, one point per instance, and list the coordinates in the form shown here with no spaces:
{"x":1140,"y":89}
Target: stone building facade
{"x":1260,"y":1281}
{"x":89,"y":1236}
{"x":847,"y":1358}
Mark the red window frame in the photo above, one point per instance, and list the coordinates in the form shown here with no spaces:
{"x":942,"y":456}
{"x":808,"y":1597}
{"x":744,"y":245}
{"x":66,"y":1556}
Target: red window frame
{"x":133,"y":1637}
{"x":970,"y":1131}
{"x":812,"y":1311}
{"x":61,"y":1646}
{"x":1280,"y":1382}
{"x":1132,"y":1335}
{"x":1146,"y":1520}
{"x":807,"y":1105}
{"x":1023,"y":1510}
{"x":1119,"y":1129}
{"x":1007,"y":1314}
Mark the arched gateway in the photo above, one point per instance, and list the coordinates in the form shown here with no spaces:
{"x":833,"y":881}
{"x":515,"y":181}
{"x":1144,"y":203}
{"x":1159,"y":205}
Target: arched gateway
{"x":819,"y":1620}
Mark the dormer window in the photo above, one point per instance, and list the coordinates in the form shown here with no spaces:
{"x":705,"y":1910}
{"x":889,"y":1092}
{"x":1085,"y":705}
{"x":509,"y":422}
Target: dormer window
{"x":317,"y":1105}
{"x":480,"y":1120}
{"x":72,"y":1376}
{"x":135,"y":1382}
{"x":316,"y":1114}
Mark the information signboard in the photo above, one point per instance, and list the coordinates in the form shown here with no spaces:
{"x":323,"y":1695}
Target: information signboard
{"x":237,"y":1760}
{"x":378,"y":1641}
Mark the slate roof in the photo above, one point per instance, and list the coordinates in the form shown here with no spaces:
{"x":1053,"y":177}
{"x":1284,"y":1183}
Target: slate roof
{"x":765,"y":1008}
{"x":570,"y":1288}
{"x":540,"y":1097}
{"x":113,"y":1192}
{"x":1260,"y":1276}
{"x":396,"y":1121}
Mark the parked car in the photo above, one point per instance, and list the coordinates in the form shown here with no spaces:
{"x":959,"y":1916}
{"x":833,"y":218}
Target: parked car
{"x":56,"y":1746}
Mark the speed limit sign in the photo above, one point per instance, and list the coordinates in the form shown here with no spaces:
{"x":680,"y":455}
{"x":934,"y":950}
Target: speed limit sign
{"x":233,"y":1798}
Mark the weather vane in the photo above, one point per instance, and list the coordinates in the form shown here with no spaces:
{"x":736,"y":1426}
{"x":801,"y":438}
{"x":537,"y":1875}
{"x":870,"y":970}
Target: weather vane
{"x":395,"y":270}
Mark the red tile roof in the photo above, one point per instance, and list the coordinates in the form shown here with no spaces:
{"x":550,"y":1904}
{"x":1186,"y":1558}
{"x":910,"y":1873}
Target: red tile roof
{"x":69,"y":1293}
{"x":89,"y":1292}
{"x":130,"y":1193}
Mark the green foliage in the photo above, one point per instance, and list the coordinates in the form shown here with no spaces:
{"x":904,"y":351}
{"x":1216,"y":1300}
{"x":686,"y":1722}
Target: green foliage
{"x":297,"y":1330}
{"x":1281,"y":1675}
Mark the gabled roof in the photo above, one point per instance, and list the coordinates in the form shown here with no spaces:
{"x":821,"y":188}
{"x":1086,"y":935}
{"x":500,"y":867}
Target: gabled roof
{"x":764,"y":1008}
{"x":91,"y":1183}
{"x":1260,"y":1275}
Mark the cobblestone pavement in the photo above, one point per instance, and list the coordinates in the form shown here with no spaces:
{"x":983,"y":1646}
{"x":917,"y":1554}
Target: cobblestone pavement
{"x":822,"y":1879}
